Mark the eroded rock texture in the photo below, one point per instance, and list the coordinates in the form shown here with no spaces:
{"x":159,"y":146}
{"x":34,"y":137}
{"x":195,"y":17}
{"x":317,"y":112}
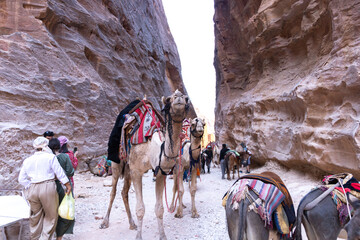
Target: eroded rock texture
{"x":288,"y":81}
{"x":72,"y":66}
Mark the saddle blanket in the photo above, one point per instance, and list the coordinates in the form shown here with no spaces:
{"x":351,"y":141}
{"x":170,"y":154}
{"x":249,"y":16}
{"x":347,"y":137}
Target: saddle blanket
{"x":349,"y":185}
{"x":139,"y":126}
{"x":270,"y":195}
{"x":233,"y":152}
{"x":186,"y":130}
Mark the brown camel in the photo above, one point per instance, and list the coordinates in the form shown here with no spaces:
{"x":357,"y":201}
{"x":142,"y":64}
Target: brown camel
{"x":159,"y":155}
{"x":188,"y":162}
{"x":232,"y":160}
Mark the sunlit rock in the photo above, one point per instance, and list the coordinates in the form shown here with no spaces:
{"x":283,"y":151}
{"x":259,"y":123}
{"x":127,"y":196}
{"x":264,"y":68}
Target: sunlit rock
{"x":288,"y":81}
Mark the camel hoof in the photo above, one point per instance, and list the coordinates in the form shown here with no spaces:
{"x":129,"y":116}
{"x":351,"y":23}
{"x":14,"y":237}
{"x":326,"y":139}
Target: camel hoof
{"x":163,"y":237}
{"x":184,"y":206}
{"x":133,"y":227}
{"x":178,"y":215}
{"x":104,"y":224}
{"x":138,"y":237}
{"x":195,"y":215}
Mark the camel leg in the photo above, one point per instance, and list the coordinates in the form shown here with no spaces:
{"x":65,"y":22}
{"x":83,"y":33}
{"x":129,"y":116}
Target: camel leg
{"x":159,"y":207}
{"x":125,"y":196}
{"x":179,"y":212}
{"x":172,"y":205}
{"x":136,"y":177}
{"x":233,"y":171}
{"x":194,"y":213}
{"x":115,"y":167}
{"x":230,"y":166}
{"x":238,"y":169}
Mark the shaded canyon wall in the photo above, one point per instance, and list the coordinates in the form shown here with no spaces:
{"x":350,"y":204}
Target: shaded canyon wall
{"x":72,"y":66}
{"x":288,"y":81}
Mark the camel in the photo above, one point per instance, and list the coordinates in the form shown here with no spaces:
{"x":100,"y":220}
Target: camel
{"x":232,"y":160}
{"x":159,"y":155}
{"x":194,"y":148}
{"x":144,"y":157}
{"x":216,"y":155}
{"x":119,"y":170}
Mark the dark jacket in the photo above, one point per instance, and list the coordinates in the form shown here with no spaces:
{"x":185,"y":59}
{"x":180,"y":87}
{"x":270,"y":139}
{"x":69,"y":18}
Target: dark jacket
{"x":115,"y":135}
{"x":223,"y":153}
{"x":209,"y":153}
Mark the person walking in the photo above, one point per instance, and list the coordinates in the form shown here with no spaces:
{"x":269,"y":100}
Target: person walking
{"x":64,"y":226}
{"x":37,"y":175}
{"x":209,"y":157}
{"x":222,"y":159}
{"x":64,"y":149}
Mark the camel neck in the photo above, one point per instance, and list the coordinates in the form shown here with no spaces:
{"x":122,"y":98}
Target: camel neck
{"x":195,"y":146}
{"x":173,"y":150}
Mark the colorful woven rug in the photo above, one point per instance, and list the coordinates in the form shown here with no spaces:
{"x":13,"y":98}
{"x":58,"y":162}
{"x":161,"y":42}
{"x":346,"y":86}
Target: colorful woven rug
{"x":139,"y":126}
{"x":349,"y":185}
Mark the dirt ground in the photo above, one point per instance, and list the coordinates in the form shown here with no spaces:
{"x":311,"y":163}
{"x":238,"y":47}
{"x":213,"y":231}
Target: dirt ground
{"x":92,"y":197}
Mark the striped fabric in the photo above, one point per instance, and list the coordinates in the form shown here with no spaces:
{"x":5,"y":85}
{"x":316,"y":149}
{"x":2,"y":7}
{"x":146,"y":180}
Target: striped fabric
{"x":272,"y":178}
{"x":149,"y":123}
{"x":271,"y":196}
{"x":139,"y":126}
{"x":186,"y":130}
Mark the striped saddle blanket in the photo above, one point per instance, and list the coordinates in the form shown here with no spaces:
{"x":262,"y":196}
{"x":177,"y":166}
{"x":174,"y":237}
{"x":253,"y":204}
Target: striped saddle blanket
{"x":271,"y":197}
{"x":139,"y":126}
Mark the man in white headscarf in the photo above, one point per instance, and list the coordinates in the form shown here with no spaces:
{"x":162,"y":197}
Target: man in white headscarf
{"x":37,"y":175}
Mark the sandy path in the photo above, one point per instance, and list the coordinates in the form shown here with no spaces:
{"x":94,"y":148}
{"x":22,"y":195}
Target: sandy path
{"x":92,"y":199}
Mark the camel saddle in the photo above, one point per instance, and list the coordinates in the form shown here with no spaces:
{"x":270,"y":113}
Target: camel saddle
{"x":140,"y":124}
{"x":269,"y":177}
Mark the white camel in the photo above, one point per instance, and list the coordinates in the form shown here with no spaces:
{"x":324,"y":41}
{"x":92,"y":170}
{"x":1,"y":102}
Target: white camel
{"x":159,"y":155}
{"x":190,"y":160}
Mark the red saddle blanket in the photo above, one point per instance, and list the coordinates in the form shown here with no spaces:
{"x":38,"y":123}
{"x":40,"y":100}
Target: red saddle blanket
{"x":139,"y":126}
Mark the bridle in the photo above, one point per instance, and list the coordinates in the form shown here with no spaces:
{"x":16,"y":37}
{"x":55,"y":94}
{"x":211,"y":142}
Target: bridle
{"x":192,"y":131}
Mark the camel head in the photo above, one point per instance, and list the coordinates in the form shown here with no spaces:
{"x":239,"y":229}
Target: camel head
{"x":177,"y":105}
{"x":197,"y":127}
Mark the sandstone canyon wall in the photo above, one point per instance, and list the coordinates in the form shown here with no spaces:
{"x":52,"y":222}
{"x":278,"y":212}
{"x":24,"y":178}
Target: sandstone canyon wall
{"x":288,"y":81}
{"x":71,"y":66}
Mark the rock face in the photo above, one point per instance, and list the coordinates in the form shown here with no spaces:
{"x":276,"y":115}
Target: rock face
{"x":72,"y":66}
{"x":288,"y":81}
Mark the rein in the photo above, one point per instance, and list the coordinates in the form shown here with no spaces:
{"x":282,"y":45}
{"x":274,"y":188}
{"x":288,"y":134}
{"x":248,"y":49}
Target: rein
{"x":194,"y":130}
{"x":312,"y":204}
{"x":178,"y":182}
{"x":158,"y":167}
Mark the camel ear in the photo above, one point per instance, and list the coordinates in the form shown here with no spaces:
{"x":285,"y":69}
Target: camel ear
{"x":203,"y":120}
{"x":165,"y":100}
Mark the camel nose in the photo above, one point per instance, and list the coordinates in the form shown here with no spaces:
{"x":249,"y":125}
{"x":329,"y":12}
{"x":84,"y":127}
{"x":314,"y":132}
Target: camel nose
{"x":178,"y":99}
